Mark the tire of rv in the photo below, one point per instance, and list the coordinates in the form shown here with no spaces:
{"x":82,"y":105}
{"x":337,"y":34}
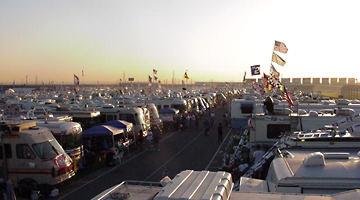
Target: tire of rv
{"x":26,"y":186}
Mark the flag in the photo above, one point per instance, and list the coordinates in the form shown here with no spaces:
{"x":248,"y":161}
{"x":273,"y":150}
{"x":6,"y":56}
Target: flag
{"x":288,"y":98}
{"x":275,"y":82}
{"x":257,"y":88}
{"x":265,"y":79}
{"x":278,"y":60}
{"x":154,"y":71}
{"x":186,"y":76}
{"x":155,"y":78}
{"x":150,"y":79}
{"x":255,"y":70}
{"x":82,"y":72}
{"x":250,"y":124}
{"x":274,"y":72}
{"x":280,"y":47}
{"x":76,"y":80}
{"x":244,"y":79}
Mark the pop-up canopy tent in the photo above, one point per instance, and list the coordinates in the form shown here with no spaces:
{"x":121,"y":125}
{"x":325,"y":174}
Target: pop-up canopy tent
{"x":120,"y":124}
{"x":126,"y":126}
{"x":101,"y":137}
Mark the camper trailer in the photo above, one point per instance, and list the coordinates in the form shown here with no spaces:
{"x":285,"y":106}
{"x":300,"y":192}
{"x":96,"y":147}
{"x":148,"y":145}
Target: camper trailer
{"x":30,"y":156}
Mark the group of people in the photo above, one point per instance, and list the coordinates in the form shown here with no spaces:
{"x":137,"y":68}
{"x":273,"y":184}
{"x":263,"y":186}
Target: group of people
{"x":151,"y":140}
{"x":243,"y":162}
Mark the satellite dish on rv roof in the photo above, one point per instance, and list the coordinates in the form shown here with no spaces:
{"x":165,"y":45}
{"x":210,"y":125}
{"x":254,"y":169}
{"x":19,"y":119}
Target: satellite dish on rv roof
{"x":269,"y":104}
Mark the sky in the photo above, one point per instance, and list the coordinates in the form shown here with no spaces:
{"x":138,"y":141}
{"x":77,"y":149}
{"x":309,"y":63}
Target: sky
{"x":43,"y":41}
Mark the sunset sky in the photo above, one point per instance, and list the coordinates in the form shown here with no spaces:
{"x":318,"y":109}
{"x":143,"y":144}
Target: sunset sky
{"x":50,"y":40}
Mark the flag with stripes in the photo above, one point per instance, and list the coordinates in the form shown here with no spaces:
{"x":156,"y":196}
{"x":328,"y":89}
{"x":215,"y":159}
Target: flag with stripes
{"x":288,"y":98}
{"x":280,"y":47}
{"x":274,"y":72}
{"x":278,"y":60}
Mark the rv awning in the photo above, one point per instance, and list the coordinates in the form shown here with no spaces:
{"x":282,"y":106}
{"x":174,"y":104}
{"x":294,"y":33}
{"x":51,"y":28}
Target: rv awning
{"x":120,"y":124}
{"x":102,"y":130}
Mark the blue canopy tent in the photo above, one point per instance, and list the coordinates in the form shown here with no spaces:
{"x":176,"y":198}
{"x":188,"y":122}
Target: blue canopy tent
{"x":120,"y":124}
{"x":126,"y":126}
{"x":168,"y":114}
{"x":102,"y":135}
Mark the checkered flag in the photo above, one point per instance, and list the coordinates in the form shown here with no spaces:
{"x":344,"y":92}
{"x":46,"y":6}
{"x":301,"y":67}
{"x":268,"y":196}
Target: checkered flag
{"x":275,"y":82}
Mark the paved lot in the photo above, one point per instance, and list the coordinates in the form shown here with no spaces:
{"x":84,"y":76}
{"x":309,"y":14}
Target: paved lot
{"x":178,"y":151}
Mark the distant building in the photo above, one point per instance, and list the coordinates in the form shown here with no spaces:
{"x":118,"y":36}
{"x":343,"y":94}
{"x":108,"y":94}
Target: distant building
{"x":325,"y":81}
{"x":342,"y":81}
{"x":316,"y":81}
{"x":306,"y":81}
{"x":334,"y":81}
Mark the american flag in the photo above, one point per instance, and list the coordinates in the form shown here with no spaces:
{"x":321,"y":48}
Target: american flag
{"x":154,"y":71}
{"x":280,"y":47}
{"x":288,"y":98}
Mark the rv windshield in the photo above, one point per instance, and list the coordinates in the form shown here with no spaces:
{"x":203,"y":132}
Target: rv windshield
{"x":48,"y":149}
{"x":69,"y":142}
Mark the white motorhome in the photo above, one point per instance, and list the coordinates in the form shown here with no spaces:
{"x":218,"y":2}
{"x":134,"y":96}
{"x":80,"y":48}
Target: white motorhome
{"x":30,"y":156}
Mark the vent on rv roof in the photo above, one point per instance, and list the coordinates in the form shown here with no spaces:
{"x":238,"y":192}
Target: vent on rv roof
{"x":314,"y":159}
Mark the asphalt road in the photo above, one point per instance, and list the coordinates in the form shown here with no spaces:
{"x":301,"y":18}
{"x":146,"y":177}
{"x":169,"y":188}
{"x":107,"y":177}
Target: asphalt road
{"x":178,"y":151}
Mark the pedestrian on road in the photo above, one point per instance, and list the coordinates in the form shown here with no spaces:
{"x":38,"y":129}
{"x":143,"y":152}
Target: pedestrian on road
{"x":220,"y":132}
{"x":206,"y":126}
{"x":165,"y":172}
{"x":149,"y":140}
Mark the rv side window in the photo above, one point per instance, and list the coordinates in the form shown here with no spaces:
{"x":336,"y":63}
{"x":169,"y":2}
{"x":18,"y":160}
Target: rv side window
{"x":8,"y":152}
{"x":247,"y":108}
{"x":274,"y":130}
{"x":23,"y":151}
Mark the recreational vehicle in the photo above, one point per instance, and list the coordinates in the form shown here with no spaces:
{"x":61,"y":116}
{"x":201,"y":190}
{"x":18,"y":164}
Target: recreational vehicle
{"x":30,"y":156}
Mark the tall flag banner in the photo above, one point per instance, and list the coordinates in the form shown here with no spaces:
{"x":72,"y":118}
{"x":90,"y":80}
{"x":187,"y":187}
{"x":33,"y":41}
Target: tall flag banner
{"x":120,"y":82}
{"x":280,"y":47}
{"x":278,"y":60}
{"x":244,"y":79}
{"x":274,"y":72}
{"x":155,"y":78}
{"x":288,"y":98}
{"x":150,"y":79}
{"x":255,"y":70}
{"x":155,"y":71}
{"x":186,"y":76}
{"x":82,"y":72}
{"x":76,"y":80}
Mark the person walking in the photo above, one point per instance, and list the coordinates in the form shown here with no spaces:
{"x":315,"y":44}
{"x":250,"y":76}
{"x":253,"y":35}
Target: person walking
{"x":206,"y":126}
{"x":220,"y":133}
{"x":149,"y":139}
